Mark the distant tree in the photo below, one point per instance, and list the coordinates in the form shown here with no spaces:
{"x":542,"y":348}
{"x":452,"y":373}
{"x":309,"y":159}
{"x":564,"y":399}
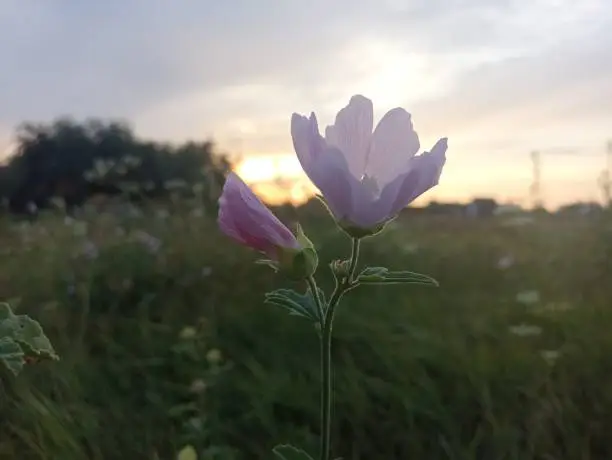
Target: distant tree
{"x":74,"y":161}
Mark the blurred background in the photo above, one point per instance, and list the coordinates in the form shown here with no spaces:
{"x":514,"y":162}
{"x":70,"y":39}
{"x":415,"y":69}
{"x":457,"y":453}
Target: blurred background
{"x":118,"y":124}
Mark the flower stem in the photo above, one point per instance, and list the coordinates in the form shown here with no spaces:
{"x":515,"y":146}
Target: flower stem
{"x":312,"y":285}
{"x":342,"y":286}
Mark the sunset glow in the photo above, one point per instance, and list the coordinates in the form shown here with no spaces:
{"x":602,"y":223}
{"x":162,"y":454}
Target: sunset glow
{"x":499,"y":80}
{"x":276,"y":178}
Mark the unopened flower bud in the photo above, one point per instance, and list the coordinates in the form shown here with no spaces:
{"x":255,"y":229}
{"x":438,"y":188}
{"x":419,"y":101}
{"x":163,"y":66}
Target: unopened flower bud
{"x":340,"y":268}
{"x":243,"y":217}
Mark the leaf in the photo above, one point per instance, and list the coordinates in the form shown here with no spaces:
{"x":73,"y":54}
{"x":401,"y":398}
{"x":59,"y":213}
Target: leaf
{"x":187,"y":453}
{"x":21,"y":338}
{"x":287,"y":452}
{"x":297,"y":304}
{"x":382,"y":275}
{"x":11,"y":355}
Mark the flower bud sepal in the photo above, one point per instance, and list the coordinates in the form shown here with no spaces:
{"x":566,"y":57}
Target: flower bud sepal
{"x":296,"y":263}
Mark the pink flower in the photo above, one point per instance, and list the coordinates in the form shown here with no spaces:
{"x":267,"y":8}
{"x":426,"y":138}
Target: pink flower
{"x":243,"y":217}
{"x":366,"y":177}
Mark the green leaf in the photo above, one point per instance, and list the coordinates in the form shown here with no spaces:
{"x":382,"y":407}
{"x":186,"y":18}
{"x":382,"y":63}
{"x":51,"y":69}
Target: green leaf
{"x":20,"y":338}
{"x":287,"y":452}
{"x":297,"y":304}
{"x":382,"y":275}
{"x":11,"y":355}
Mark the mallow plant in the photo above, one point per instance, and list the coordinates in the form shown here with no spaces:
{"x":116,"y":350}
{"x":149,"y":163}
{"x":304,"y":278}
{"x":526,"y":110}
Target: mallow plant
{"x":22,"y":341}
{"x":366,"y":177}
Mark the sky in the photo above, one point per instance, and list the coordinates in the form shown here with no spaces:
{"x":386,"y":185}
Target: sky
{"x":499,"y":78}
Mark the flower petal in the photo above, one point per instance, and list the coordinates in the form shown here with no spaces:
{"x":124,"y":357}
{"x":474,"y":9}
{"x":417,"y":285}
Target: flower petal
{"x":330,"y":174}
{"x":393,"y":145}
{"x":351,"y":133}
{"x":307,"y":141}
{"x":243,"y":217}
{"x":424,"y":174}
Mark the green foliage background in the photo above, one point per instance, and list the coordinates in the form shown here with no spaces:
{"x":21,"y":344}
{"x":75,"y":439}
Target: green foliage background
{"x":166,"y":342}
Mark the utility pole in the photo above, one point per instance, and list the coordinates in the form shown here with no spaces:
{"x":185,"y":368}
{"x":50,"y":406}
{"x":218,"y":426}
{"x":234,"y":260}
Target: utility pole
{"x":605,"y":179}
{"x":536,"y":192}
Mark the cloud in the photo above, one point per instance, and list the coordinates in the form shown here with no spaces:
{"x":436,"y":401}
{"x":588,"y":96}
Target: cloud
{"x":499,"y":77}
{"x":123,"y":56}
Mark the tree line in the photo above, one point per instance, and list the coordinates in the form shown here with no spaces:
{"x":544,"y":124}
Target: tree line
{"x":73,"y":161}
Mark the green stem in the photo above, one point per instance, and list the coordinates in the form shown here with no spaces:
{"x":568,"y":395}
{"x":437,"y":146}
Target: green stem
{"x":326,"y":364}
{"x":312,"y":285}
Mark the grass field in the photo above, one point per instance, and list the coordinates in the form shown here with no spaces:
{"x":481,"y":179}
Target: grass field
{"x":165,"y":342}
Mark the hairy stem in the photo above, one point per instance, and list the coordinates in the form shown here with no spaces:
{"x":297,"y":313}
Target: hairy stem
{"x":342,"y":286}
{"x":312,"y":285}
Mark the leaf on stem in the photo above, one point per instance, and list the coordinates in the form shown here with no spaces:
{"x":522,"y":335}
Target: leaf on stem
{"x":21,"y":339}
{"x":297,"y":304}
{"x":382,"y":275}
{"x":287,"y":452}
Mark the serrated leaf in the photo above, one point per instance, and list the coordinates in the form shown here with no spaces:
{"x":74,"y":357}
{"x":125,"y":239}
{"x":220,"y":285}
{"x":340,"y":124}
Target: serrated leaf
{"x":382,"y":275}
{"x":11,"y":355}
{"x":187,"y":453}
{"x":287,"y":452}
{"x":295,"y":303}
{"x":20,"y":332}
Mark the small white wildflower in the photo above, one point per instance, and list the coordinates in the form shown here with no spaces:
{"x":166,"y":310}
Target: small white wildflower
{"x":550,"y":356}
{"x":206,"y":271}
{"x":31,"y":207}
{"x":90,"y":175}
{"x":505,"y":262}
{"x":162,"y":214}
{"x":198,"y":386}
{"x":196,"y":423}
{"x":528,"y":297}
{"x":90,"y":250}
{"x":58,"y":202}
{"x":214,"y":356}
{"x":68,"y":220}
{"x":133,"y":211}
{"x":188,"y":332}
{"x":79,"y":228}
{"x":153,"y":244}
{"x":102,"y":167}
{"x":132,"y":160}
{"x":525,"y":330}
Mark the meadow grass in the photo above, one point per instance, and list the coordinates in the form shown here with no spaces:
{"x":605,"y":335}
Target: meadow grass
{"x":165,"y":342}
